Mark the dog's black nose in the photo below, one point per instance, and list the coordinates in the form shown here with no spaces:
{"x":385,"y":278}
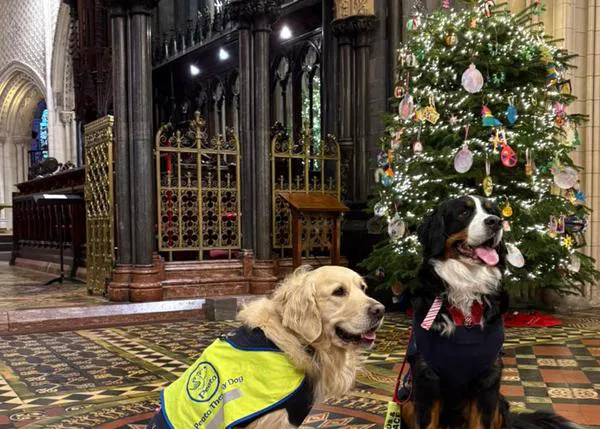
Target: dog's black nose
{"x":376,"y":310}
{"x":493,"y":222}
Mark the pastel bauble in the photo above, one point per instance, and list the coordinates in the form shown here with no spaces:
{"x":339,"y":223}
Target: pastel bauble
{"x":472,"y":79}
{"x":514,"y":256}
{"x":463,"y":161}
{"x":566,"y":178}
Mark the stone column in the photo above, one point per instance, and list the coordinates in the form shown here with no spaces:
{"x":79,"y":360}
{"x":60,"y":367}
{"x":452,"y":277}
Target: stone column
{"x":394,"y":38}
{"x":67,"y":118}
{"x":262,"y":196}
{"x":242,"y":13}
{"x":354,"y":22}
{"x":145,"y":284}
{"x":118,"y":289}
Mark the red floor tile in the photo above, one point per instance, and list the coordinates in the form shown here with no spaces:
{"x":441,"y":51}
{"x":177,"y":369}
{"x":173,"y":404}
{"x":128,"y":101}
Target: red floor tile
{"x":591,"y":341}
{"x":563,"y":376}
{"x":581,"y":414}
{"x":541,"y":351}
{"x":512,"y":391}
{"x":509,"y":360}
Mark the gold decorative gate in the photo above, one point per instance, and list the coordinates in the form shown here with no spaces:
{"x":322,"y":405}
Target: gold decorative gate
{"x":198,"y":191}
{"x":306,"y":166}
{"x":99,"y":203}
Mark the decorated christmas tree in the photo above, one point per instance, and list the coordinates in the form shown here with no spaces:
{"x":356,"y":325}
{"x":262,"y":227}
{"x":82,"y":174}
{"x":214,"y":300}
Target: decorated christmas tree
{"x":482,"y":107}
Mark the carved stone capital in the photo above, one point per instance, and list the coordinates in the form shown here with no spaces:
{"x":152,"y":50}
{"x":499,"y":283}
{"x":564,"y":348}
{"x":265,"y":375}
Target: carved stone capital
{"x":246,"y":11}
{"x":354,"y":25}
{"x":67,"y":117}
{"x":347,"y":8}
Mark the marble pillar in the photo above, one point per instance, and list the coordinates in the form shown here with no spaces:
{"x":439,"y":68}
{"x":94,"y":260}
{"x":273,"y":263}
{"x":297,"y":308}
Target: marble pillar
{"x":118,"y":288}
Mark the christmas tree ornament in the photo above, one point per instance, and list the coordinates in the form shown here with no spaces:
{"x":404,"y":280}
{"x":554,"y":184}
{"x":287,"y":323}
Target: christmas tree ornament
{"x":560,"y":225}
{"x":552,"y":74}
{"x":511,"y":112}
{"x":514,"y":256}
{"x":575,"y":224}
{"x":429,"y":113}
{"x":446,"y":4}
{"x":538,"y":8}
{"x":396,"y":228}
{"x":570,"y":196}
{"x":488,"y":6}
{"x":413,"y":23}
{"x":488,"y":119}
{"x":473,"y":23}
{"x":506,"y":226}
{"x":528,"y":163}
{"x":545,"y":55}
{"x":560,"y":114}
{"x":463,"y":161}
{"x":450,"y":39}
{"x":488,"y":184}
{"x":472,"y":80}
{"x":417,"y":147}
{"x":567,"y":242}
{"x":507,"y":210}
{"x":574,"y":263}
{"x":496,"y":142}
{"x":565,"y":177}
{"x":379,"y":209}
{"x":498,"y":78}
{"x":379,"y":174}
{"x":382,"y":159}
{"x":386,"y":180}
{"x":406,"y":108}
{"x":379,"y":273}
{"x":396,"y":144}
{"x":389,"y":172}
{"x":508,"y":155}
{"x":564,"y":87}
{"x":552,"y":226}
{"x":453,"y":120}
{"x":579,"y":197}
{"x":399,"y":91}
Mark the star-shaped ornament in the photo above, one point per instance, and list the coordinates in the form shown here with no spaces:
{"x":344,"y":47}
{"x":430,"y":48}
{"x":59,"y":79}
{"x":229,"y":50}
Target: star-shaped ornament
{"x":453,"y":120}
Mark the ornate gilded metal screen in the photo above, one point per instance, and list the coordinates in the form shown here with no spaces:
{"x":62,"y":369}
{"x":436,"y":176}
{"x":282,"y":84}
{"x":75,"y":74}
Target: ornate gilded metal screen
{"x":99,"y":203}
{"x":305,"y":165}
{"x":198,"y":191}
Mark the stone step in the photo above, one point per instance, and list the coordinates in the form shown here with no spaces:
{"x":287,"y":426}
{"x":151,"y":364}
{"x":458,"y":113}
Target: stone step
{"x":76,"y":318}
{"x":5,"y":255}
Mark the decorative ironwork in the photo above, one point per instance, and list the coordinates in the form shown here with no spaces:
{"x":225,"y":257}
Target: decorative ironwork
{"x":301,"y":166}
{"x":198,"y":191}
{"x":99,"y":206}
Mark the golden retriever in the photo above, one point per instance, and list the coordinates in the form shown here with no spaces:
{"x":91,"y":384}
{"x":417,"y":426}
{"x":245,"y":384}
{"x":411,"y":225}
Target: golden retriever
{"x":328,"y":310}
{"x":320,"y":319}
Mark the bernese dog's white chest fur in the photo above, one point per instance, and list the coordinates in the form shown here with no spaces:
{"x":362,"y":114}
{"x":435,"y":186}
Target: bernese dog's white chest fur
{"x":466,"y":284}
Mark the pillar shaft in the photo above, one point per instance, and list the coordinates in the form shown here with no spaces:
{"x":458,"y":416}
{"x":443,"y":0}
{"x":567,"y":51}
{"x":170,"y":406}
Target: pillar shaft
{"x":262,"y":196}
{"x":123,"y":182}
{"x":141,"y":122}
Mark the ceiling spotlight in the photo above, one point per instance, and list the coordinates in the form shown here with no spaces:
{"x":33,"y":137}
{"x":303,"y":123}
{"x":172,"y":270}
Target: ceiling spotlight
{"x":285,"y":33}
{"x":194,"y":71}
{"x":223,"y":54}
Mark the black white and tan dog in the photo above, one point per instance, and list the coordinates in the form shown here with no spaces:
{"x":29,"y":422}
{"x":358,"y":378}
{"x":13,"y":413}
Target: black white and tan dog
{"x":457,"y":328}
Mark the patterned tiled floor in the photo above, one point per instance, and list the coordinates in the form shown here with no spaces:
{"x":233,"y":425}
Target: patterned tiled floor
{"x":21,"y":289}
{"x":110,"y":378}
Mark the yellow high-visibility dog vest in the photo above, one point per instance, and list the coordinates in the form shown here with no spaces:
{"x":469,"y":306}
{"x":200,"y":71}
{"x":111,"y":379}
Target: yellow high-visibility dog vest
{"x":237,"y":379}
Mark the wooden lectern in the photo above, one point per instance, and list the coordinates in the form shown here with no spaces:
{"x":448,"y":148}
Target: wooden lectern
{"x":315,"y":204}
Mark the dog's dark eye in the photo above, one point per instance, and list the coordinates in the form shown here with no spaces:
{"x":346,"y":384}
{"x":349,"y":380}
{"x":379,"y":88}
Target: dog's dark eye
{"x":465,"y":213}
{"x":339,"y":292}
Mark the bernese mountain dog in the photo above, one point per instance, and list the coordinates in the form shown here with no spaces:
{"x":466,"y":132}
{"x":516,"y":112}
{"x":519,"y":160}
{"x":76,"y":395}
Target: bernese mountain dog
{"x":458,"y":332}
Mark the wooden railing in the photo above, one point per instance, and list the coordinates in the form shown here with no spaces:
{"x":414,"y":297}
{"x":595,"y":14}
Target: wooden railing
{"x":36,"y":229}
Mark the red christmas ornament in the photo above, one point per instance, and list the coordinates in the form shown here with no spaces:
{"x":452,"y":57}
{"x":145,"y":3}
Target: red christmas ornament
{"x":508,"y":156}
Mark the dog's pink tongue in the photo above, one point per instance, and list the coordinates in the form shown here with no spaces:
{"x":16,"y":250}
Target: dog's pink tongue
{"x":369,"y":336}
{"x":487,"y":255}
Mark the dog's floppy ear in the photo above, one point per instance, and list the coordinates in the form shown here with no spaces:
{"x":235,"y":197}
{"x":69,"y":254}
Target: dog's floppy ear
{"x":299,"y":310}
{"x":432,"y":234}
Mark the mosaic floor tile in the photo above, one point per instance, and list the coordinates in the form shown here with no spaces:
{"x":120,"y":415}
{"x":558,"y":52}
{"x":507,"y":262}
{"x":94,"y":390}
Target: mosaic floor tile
{"x":111,"y":378}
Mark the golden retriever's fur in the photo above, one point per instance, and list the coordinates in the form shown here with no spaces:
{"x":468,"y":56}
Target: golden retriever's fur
{"x":301,"y":318}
